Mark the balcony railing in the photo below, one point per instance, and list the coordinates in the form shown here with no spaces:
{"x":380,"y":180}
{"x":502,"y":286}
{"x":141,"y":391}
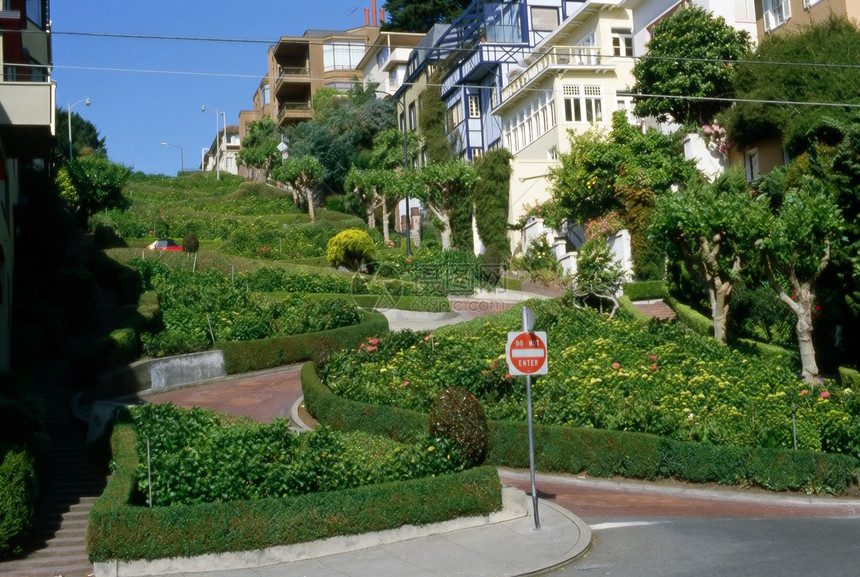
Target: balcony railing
{"x":292,"y":71}
{"x":294,"y":109}
{"x":559,"y":57}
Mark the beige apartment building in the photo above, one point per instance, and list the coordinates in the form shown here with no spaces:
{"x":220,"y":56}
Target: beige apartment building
{"x":298,"y":66}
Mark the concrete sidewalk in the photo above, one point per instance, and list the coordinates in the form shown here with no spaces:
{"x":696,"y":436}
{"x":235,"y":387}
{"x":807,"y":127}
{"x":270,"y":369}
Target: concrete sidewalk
{"x":506,"y":543}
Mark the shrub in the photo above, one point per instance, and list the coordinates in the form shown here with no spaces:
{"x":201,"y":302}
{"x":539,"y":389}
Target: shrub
{"x":352,"y":248}
{"x":190,"y":243}
{"x":850,"y":378}
{"x":645,"y":290}
{"x":456,"y":414}
{"x":17,"y":499}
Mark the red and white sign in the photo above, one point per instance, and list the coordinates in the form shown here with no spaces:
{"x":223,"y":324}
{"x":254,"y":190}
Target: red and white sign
{"x":526,"y":353}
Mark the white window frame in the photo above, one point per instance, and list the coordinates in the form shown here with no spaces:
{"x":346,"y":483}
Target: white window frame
{"x":622,"y":42}
{"x":752,"y":164}
{"x":775,"y":13}
{"x":474,"y":106}
{"x":583,"y":103}
{"x":810,"y":3}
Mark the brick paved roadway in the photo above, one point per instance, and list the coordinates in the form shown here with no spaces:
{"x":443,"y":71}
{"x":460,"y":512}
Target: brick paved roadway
{"x":262,"y":395}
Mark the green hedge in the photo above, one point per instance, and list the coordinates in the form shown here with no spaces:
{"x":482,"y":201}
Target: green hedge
{"x":605,"y":453}
{"x":245,"y":356}
{"x":850,"y":378}
{"x":693,"y":319}
{"x":118,"y":530}
{"x":626,"y":305}
{"x":18,"y":497}
{"x":766,"y":351}
{"x":342,"y":414}
{"x":645,"y":290}
{"x":425,"y":303}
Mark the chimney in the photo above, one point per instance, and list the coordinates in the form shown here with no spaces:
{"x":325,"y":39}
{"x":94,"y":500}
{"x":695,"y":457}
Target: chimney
{"x":373,"y":9}
{"x":367,"y":16}
{"x":381,"y":16}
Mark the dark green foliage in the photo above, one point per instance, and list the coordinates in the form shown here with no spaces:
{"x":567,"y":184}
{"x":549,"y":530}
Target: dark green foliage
{"x":190,"y":243}
{"x":770,"y":76}
{"x":260,"y":145}
{"x":85,"y":137}
{"x":645,"y":290}
{"x":686,"y":55}
{"x":438,"y":144}
{"x":490,"y":197}
{"x":18,"y":497}
{"x":119,"y":530}
{"x":457,"y":415}
{"x":410,"y":16}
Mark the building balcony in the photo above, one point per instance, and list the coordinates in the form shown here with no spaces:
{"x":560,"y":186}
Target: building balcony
{"x":27,"y":103}
{"x":557,"y":59}
{"x":480,"y":63}
{"x":293,"y":112}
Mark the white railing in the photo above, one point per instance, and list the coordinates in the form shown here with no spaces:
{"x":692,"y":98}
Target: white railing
{"x":557,"y":57}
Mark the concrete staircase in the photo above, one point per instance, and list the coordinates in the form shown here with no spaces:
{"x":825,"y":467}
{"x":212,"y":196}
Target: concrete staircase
{"x":71,"y":475}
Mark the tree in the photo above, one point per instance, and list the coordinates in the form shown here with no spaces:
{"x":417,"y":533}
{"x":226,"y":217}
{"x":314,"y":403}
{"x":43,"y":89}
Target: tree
{"x":85,"y":137}
{"x":260,"y":146}
{"x":301,"y":174}
{"x":352,"y":248}
{"x":372,"y":187}
{"x":688,"y":55}
{"x":490,"y":199}
{"x":342,"y":131}
{"x":715,"y":226}
{"x":439,"y":145}
{"x":98,"y":184}
{"x":624,"y":170}
{"x":598,"y":273}
{"x":411,"y":16}
{"x":797,"y":245}
{"x":825,"y":72}
{"x":443,"y":186}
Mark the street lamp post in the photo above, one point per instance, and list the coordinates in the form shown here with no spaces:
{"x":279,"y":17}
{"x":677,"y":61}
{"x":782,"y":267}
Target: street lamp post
{"x":69,"y":112}
{"x":217,"y":141}
{"x":181,"y":155}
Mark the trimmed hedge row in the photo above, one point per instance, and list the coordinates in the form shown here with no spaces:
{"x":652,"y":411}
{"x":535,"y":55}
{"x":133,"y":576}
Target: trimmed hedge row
{"x":246,"y":356}
{"x":850,"y":378}
{"x":118,"y":530}
{"x":695,"y":320}
{"x":645,"y":290}
{"x":626,"y":305}
{"x":605,"y":453}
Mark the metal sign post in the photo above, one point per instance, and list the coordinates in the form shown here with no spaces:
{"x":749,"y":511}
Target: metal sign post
{"x":527,"y":355}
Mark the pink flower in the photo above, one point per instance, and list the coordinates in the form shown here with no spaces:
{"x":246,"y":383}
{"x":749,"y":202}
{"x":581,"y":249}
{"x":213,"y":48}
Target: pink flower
{"x":362,"y":345}
{"x":654,"y":367}
{"x":374,"y":341}
{"x":508,"y":376}
{"x":371,"y":349}
{"x":616,"y":365}
{"x":427,"y":338}
{"x":405,"y":383}
{"x":804,"y":392}
{"x":493,"y":366}
{"x":824,"y":395}
{"x":653,"y":357}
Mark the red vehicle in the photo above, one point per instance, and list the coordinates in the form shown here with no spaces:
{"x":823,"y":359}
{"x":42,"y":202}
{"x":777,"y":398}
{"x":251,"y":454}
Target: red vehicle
{"x":165,"y":244}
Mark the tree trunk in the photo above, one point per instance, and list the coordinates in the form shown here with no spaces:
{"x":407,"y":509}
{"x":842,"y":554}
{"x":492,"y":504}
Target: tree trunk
{"x":385,"y":231}
{"x":803,"y":328}
{"x":310,"y":197}
{"x":719,"y":293}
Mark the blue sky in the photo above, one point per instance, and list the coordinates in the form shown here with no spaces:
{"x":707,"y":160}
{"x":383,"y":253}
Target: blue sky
{"x":145,"y":92}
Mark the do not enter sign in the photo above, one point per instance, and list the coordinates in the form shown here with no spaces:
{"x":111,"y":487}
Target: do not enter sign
{"x":526,"y":353}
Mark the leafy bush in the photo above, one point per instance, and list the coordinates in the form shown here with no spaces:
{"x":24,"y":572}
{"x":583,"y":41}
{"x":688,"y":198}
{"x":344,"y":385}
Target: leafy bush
{"x":119,"y":530}
{"x":352,"y":248}
{"x":190,"y":243}
{"x":850,"y":378}
{"x":645,"y":290}
{"x":456,"y":414}
{"x":197,"y":458}
{"x":18,"y":498}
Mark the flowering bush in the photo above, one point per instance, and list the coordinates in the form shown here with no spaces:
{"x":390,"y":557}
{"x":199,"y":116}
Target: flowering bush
{"x":551,"y":212}
{"x":604,"y":226}
{"x":610,"y":374}
{"x":717,"y":138}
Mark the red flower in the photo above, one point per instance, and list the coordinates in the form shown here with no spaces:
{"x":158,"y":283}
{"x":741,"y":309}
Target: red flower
{"x":654,"y":367}
{"x":616,"y":365}
{"x":824,"y":395}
